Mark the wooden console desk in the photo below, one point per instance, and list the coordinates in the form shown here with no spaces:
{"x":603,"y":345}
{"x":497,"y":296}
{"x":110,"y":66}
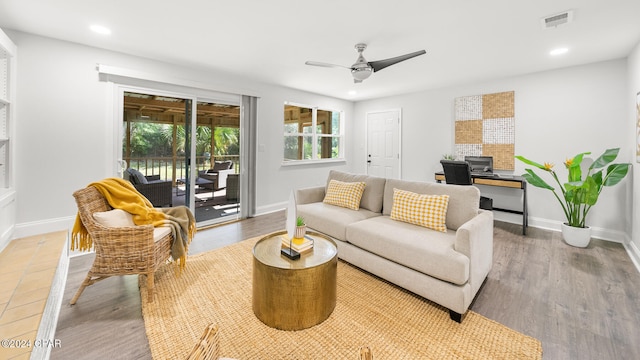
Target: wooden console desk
{"x":510,"y":181}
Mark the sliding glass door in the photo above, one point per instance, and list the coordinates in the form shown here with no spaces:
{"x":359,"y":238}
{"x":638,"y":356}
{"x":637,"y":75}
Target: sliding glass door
{"x":180,"y":154}
{"x":217,"y":196}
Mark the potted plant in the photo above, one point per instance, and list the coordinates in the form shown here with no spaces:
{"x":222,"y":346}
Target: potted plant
{"x":301,"y":229}
{"x":578,"y":194}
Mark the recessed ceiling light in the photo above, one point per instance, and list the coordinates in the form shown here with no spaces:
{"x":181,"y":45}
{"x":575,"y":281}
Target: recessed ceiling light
{"x":558,"y":51}
{"x":352,"y":92}
{"x":100,"y":29}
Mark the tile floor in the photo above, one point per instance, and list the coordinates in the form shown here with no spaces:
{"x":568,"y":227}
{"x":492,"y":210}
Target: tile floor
{"x":27,"y":268}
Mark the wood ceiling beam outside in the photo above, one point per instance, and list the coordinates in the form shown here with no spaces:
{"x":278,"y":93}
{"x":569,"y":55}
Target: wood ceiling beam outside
{"x":168,"y":118}
{"x":178,"y":107}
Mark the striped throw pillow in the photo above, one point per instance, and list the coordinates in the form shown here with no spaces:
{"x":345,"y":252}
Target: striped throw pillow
{"x":429,"y":211}
{"x":344,"y":194}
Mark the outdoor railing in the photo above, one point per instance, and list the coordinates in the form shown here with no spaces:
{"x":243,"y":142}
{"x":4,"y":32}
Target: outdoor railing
{"x":164,"y":166}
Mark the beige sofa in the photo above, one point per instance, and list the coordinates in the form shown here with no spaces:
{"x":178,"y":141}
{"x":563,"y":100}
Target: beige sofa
{"x":447,"y":268}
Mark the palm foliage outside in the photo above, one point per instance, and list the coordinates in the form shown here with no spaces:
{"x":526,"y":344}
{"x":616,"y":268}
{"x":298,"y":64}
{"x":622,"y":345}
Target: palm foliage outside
{"x":151,"y":146}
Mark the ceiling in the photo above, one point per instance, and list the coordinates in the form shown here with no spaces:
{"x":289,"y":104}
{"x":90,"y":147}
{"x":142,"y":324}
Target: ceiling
{"x":269,"y":41}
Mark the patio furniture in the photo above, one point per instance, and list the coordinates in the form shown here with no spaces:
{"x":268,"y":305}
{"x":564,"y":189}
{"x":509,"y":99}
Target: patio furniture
{"x":120,"y":249}
{"x":218,"y":174}
{"x":233,"y":187}
{"x":159,"y":192}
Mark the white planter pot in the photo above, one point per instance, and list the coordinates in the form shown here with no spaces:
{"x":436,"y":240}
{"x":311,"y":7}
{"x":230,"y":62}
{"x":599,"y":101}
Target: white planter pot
{"x":300,"y":232}
{"x":576,"y":236}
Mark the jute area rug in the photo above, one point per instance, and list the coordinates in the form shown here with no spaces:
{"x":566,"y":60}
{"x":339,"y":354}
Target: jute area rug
{"x":215,"y":287}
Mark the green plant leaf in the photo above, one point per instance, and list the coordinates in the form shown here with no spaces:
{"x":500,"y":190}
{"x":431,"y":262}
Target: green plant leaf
{"x":577,"y":160}
{"x":615,"y":173}
{"x":582,"y":192}
{"x":571,"y":192}
{"x":590,"y":191}
{"x":535,"y":180}
{"x":575,"y":171}
{"x":532,"y":163}
{"x":597,"y":177}
{"x":608,"y":156}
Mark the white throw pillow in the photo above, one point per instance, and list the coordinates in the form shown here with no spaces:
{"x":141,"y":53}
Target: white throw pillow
{"x":114,"y":218}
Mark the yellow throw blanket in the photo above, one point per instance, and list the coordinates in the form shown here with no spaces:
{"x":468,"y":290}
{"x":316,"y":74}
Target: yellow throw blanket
{"x":121,"y":194}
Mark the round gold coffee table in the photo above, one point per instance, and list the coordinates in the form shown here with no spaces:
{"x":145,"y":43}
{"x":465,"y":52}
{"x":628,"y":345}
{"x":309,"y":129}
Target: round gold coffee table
{"x":294,"y":294}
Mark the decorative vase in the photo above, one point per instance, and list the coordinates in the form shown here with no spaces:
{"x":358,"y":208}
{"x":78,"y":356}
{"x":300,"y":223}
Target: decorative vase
{"x":299,"y":233}
{"x":576,"y":236}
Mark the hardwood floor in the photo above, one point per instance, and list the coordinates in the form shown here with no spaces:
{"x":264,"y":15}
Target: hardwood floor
{"x":581,"y":303}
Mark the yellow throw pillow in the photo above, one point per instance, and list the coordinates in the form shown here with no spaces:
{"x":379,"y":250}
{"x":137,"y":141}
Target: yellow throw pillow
{"x":429,"y":211}
{"x":344,"y":194}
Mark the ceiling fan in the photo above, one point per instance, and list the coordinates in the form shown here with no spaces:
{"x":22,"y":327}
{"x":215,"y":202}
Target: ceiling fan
{"x":362,"y":69}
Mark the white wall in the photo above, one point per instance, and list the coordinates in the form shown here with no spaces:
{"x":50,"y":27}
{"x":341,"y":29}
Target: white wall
{"x":558,"y":114}
{"x":64,"y":134}
{"x":633,"y":66}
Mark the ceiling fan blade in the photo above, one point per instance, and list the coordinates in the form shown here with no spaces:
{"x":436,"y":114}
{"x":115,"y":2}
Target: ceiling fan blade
{"x":316,"y":63}
{"x":381,"y":64}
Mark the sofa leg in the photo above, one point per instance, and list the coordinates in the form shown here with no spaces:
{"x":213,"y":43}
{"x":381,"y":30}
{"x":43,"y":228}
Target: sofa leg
{"x":455,"y":316}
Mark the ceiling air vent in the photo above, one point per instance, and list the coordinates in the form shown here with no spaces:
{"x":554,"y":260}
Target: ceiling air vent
{"x":556,"y":20}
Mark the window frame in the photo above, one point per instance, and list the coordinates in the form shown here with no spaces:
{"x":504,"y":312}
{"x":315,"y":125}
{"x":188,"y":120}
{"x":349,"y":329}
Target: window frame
{"x":315,"y":136}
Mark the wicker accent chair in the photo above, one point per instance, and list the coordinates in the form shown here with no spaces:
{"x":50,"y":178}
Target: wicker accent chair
{"x":365,"y":353}
{"x":207,"y":348}
{"x":119,"y":250}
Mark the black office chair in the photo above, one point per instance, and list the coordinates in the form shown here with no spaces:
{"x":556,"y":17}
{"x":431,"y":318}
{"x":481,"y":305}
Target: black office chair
{"x":459,"y":173}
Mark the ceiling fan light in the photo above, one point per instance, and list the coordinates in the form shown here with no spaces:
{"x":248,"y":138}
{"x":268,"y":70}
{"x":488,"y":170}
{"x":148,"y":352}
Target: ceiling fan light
{"x":361,"y":73}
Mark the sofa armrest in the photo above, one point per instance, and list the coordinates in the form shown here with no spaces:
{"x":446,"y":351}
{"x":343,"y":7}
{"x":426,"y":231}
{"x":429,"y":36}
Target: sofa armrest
{"x":310,"y":195}
{"x":475,"y":240}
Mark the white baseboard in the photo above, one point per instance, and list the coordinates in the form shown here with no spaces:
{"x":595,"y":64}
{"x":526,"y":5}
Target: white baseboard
{"x":596,"y":232}
{"x":6,"y":237}
{"x":7,"y":216}
{"x":42,"y":227}
{"x":634,"y":253}
{"x":263,"y":210}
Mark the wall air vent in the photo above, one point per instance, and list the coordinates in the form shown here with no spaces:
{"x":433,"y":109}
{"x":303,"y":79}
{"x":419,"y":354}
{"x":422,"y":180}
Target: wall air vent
{"x":553,"y":21}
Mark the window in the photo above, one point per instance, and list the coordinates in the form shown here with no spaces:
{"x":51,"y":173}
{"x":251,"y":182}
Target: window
{"x":311,"y":133}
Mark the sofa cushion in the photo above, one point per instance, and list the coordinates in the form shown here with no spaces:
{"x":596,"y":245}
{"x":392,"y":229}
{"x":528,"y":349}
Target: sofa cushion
{"x":221,"y":165}
{"x":331,"y":220}
{"x":371,"y":197}
{"x":463,"y":204}
{"x":427,"y":251}
{"x":159,"y":232}
{"x":429,"y":211}
{"x":136,"y":177}
{"x":344,"y":194}
{"x":117,"y":218}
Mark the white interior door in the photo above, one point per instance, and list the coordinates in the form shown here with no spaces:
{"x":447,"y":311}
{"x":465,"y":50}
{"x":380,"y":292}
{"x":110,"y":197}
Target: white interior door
{"x":383,"y":144}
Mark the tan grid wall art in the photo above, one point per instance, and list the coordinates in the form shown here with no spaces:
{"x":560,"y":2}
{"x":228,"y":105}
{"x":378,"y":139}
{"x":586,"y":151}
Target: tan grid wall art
{"x":485,"y":126}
